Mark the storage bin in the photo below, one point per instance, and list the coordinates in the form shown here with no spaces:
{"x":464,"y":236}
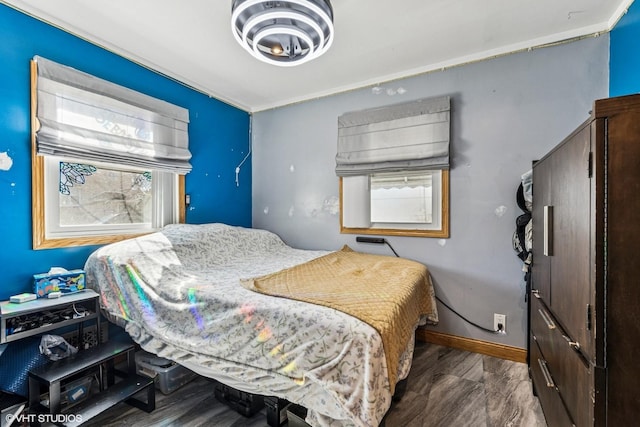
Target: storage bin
{"x":276,"y":410}
{"x":244,"y":403}
{"x":296,"y":416}
{"x":168,"y":375}
{"x":71,"y":393}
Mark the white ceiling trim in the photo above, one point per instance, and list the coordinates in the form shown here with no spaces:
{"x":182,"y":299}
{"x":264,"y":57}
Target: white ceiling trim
{"x":564,"y":37}
{"x":90,"y":38}
{"x":605,"y":24}
{"x":619,"y":13}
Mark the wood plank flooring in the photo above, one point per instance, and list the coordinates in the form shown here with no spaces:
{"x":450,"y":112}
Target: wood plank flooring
{"x":446,"y":388}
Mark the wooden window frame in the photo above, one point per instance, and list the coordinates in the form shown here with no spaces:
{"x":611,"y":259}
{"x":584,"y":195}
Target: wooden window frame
{"x":442,"y":233}
{"x":39,"y":238}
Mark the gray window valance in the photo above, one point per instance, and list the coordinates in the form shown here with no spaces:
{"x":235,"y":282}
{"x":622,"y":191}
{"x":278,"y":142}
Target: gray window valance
{"x":83,"y":117}
{"x":409,"y":136}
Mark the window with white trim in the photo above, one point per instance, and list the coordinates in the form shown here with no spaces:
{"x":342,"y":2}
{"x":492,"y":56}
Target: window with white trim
{"x":108,"y":163}
{"x":100,"y":199}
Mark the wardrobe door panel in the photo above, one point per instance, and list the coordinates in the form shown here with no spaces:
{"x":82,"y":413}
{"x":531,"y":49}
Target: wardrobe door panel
{"x":623,"y":287}
{"x":570,"y":263}
{"x":540,"y":273}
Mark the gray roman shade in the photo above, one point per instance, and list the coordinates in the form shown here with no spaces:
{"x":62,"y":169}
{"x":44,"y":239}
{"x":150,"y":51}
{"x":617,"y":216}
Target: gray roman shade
{"x":401,"y":137}
{"x":422,"y":179}
{"x":89,"y":119}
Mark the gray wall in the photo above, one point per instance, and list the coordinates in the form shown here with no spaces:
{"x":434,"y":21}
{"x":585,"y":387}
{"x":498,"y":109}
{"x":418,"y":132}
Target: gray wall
{"x":506,"y":112}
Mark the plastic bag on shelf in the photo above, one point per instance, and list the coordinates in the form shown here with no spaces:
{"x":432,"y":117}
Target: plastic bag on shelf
{"x":56,"y":348}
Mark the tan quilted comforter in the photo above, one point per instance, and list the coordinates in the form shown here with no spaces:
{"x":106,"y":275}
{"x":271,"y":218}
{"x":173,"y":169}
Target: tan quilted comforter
{"x":390,"y":294}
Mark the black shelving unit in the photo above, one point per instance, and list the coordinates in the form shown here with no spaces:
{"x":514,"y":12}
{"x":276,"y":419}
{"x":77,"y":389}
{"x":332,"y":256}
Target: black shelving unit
{"x":101,"y":359}
{"x":18,"y":321}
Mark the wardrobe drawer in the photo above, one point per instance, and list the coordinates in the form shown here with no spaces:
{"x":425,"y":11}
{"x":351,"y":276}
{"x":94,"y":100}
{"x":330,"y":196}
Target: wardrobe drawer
{"x":571,"y":373}
{"x":554,"y":410}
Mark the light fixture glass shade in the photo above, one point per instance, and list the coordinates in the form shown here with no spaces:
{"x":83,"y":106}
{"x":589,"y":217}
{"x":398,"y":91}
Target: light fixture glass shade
{"x":283,"y":33}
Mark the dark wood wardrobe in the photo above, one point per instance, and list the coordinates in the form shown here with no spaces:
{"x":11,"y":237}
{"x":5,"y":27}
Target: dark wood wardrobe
{"x":584,"y":325}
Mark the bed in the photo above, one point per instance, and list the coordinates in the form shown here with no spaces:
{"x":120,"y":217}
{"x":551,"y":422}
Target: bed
{"x":198,"y":295}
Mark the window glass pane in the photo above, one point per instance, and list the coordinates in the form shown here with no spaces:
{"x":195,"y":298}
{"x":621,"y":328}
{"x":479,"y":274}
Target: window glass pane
{"x":403,"y":203}
{"x":402,"y":198}
{"x":90,"y":195}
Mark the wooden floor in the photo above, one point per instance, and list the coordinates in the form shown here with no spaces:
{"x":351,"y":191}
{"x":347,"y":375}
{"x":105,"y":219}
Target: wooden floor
{"x":446,"y":387}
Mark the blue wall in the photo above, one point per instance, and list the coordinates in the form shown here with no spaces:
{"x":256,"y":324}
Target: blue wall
{"x":624,"y":75}
{"x":218,"y":134}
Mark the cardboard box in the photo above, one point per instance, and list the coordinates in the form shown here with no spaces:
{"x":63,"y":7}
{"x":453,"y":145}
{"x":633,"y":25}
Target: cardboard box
{"x":68,"y":282}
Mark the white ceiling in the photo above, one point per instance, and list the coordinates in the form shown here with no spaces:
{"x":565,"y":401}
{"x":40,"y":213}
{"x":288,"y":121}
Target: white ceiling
{"x":375,"y":40}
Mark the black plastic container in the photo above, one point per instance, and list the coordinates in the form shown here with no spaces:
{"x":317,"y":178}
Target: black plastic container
{"x":244,"y":403}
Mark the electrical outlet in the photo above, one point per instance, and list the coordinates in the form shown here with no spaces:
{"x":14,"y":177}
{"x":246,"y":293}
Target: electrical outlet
{"x":500,"y":323}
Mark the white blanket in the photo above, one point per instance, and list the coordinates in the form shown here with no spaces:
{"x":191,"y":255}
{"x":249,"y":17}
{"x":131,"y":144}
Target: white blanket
{"x":177,"y":294}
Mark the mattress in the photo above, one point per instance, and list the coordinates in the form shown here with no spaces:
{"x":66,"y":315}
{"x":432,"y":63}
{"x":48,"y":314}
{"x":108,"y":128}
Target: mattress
{"x":177,"y":293}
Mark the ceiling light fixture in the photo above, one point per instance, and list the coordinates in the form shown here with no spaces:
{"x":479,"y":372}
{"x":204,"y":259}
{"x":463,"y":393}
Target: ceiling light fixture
{"x":283,"y":33}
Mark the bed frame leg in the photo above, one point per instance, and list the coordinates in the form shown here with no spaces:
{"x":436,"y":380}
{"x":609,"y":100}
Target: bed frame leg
{"x":383,"y":422}
{"x":401,"y":388}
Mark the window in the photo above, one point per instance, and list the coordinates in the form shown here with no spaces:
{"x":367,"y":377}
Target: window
{"x":95,"y":196}
{"x":108,"y":163}
{"x":402,"y":198}
{"x":82,"y":204}
{"x":393,"y":164}
{"x":101,"y":199}
{"x":403,"y":204}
